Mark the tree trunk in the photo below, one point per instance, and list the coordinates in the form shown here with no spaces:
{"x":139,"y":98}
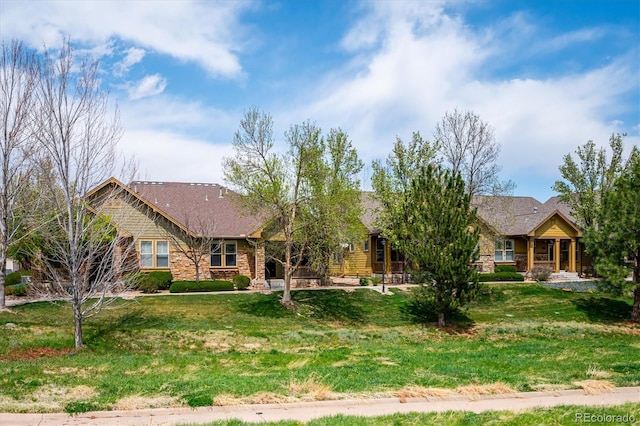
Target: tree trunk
{"x":441,"y":319}
{"x":286,"y":295}
{"x":3,"y":277}
{"x":77,"y":316}
{"x":635,"y":311}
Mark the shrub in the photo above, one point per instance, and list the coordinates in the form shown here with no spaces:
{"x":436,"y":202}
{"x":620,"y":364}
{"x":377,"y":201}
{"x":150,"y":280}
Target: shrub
{"x":375,"y":280}
{"x":192,"y":286}
{"x":241,"y":282}
{"x":364,"y":281}
{"x":154,"y":281}
{"x":505,"y":268}
{"x":541,"y":273}
{"x":501,"y":276}
{"x":15,"y":290}
{"x":15,"y":277}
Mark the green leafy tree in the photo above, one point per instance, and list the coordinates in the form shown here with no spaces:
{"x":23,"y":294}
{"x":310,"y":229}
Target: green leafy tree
{"x":616,"y":241}
{"x":442,"y":239}
{"x":308,"y":194}
{"x":392,"y":182}
{"x":586,"y":179}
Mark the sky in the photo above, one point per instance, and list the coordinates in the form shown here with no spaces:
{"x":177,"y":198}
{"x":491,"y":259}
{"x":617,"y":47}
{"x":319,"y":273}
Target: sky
{"x":547,"y":75}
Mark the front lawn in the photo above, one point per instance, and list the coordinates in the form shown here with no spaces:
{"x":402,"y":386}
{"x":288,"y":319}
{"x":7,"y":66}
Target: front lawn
{"x":225,"y":349}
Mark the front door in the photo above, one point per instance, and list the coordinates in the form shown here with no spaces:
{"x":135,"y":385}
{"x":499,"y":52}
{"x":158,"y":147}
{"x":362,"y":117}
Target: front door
{"x":564,"y":254}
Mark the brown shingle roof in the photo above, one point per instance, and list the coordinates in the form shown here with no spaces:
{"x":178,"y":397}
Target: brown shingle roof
{"x":518,"y":215}
{"x":369,"y":206}
{"x":193,"y":205}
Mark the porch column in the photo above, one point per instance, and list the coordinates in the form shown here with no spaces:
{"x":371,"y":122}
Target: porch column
{"x":572,"y":255}
{"x":531,"y":253}
{"x":556,"y":255}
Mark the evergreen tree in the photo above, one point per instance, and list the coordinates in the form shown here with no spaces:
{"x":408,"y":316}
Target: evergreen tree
{"x":441,"y":240}
{"x":616,"y":243}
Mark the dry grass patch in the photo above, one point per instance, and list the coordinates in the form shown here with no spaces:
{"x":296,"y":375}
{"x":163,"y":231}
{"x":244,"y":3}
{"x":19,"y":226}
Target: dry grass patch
{"x":549,"y":387}
{"x":474,"y":391}
{"x":310,"y":389}
{"x":298,"y":363}
{"x":594,"y":387}
{"x":224,"y":400}
{"x":421,"y":392}
{"x":48,"y":398}
{"x":385,"y":361}
{"x":595,"y":373}
{"x":138,"y":402}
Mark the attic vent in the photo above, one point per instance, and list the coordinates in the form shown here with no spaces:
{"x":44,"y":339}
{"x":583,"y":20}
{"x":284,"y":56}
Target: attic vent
{"x":220,"y":193}
{"x":155,"y":201}
{"x":206,"y":184}
{"x":199,"y":184}
{"x":535,"y":210}
{"x":153,"y":183}
{"x":206,"y":197}
{"x":168,"y":205}
{"x":192,"y":184}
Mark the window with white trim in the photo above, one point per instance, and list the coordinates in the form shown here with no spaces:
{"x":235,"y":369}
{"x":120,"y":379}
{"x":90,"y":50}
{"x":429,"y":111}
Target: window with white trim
{"x":154,"y":254}
{"x":365,"y":246}
{"x":224,"y":254}
{"x":504,"y":250}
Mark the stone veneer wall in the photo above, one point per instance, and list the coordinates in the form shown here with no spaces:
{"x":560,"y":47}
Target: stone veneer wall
{"x":182,"y":268}
{"x":521,"y":262}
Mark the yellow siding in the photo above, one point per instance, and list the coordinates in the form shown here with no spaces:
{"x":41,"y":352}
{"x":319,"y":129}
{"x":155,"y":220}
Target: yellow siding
{"x":521,"y":246}
{"x":555,"y":227}
{"x":356,"y":263}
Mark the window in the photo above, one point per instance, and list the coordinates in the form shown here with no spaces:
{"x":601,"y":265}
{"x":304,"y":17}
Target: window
{"x":154,"y":254}
{"x":379,"y":250}
{"x":224,"y":254}
{"x":337,"y":256}
{"x":351,"y":248}
{"x":504,"y":250}
{"x":365,"y":246}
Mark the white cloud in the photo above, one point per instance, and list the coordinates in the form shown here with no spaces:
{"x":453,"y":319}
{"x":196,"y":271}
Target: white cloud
{"x":172,"y":157}
{"x":422,"y":67}
{"x":133,"y":56}
{"x":148,"y":86}
{"x":207,"y":33}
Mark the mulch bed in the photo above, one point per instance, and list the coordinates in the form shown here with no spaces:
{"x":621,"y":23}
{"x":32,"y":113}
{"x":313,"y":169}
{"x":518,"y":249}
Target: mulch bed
{"x":34,"y":353}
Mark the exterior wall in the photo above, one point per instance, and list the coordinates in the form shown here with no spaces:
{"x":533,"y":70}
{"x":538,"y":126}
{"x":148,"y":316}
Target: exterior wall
{"x":142,"y":223}
{"x":356,"y":263}
{"x":555,"y":227}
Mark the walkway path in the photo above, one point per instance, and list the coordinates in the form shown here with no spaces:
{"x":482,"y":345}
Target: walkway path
{"x":312,"y":410}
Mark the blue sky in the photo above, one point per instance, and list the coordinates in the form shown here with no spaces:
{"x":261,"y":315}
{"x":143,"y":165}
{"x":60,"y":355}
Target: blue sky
{"x":547,"y":75}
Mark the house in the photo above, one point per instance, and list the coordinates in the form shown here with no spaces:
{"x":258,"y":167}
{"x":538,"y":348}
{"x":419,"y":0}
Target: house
{"x":526,"y":233}
{"x":161,"y":217}
{"x":372,"y":255}
{"x":518,"y":231}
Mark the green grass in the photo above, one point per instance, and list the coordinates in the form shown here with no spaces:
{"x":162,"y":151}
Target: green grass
{"x":562,"y":415}
{"x":197,"y":350}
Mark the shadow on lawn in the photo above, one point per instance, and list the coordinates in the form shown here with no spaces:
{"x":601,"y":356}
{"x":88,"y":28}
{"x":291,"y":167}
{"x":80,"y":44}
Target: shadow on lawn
{"x":331,"y":305}
{"x":604,"y":309}
{"x":131,"y":319}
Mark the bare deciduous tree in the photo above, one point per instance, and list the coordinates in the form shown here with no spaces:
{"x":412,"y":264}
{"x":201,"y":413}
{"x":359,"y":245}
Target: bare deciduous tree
{"x":83,"y":256}
{"x":18,"y":82}
{"x":195,"y":242}
{"x":468,"y":146}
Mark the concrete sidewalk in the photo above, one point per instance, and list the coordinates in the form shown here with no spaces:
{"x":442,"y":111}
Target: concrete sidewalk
{"x":312,"y":410}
